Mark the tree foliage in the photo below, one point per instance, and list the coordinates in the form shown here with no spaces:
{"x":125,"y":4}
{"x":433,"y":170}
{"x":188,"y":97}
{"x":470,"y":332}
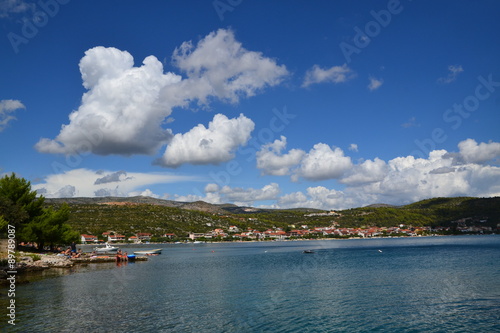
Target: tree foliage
{"x":18,"y":204}
{"x":22,"y":208}
{"x":50,"y":228}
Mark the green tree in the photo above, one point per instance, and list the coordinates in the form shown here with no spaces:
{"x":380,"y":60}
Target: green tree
{"x":20,"y":207}
{"x":50,"y":228}
{"x":3,"y":224}
{"x":18,"y":204}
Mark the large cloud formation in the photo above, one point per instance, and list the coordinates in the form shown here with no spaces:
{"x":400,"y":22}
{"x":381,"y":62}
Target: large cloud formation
{"x":121,"y":113}
{"x":471,"y":171}
{"x":468,"y":172}
{"x":220,"y":67}
{"x":125,"y":108}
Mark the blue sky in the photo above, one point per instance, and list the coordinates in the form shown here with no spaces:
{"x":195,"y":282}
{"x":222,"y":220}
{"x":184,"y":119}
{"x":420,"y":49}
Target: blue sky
{"x":300,"y":104}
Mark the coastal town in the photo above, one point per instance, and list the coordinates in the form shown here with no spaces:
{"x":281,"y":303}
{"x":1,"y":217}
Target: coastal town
{"x":233,"y":233}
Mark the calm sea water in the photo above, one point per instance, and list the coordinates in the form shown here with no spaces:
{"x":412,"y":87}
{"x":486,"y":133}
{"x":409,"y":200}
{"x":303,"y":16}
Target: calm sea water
{"x":430,"y":284}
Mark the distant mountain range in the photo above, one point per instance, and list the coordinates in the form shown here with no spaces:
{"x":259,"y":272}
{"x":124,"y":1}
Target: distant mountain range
{"x":201,"y":206}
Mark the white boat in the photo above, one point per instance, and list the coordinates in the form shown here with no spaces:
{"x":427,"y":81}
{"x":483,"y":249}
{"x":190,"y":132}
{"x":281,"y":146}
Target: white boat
{"x":106,"y":249}
{"x":149,"y":252}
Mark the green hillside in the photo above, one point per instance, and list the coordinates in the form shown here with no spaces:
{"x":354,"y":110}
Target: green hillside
{"x":429,"y":212}
{"x":145,"y":218}
{"x":129,"y":216}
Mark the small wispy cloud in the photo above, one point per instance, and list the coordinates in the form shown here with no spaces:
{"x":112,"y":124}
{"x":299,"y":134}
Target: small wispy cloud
{"x":7,"y":108}
{"x":412,"y":122}
{"x":453,"y":72}
{"x":374,"y":83}
{"x":335,"y":74}
{"x":353,"y":147}
{"x":9,"y":7}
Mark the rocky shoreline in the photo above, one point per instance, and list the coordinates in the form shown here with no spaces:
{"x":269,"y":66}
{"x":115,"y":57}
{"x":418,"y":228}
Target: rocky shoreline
{"x":30,"y":262}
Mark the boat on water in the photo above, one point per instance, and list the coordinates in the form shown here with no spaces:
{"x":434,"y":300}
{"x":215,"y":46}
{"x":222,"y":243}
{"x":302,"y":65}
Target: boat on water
{"x":149,"y":252}
{"x":106,"y":249}
{"x":308,"y":251}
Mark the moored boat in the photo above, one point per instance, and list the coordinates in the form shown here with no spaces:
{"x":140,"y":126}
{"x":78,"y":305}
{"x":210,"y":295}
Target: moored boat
{"x":149,"y":252}
{"x":106,"y":249}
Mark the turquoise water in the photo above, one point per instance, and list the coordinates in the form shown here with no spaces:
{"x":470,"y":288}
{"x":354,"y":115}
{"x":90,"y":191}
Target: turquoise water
{"x":431,"y":284}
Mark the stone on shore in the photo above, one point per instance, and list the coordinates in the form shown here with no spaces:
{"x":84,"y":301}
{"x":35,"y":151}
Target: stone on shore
{"x":42,"y":261}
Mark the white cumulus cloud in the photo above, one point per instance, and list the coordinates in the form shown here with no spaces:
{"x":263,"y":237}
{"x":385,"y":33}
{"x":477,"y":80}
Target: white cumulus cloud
{"x":293,"y":200}
{"x":322,"y":162}
{"x":219,"y":66}
{"x":366,"y":172}
{"x":471,"y":152}
{"x":401,"y":180}
{"x":146,"y":193}
{"x":248,"y":196}
{"x":121,"y":113}
{"x":208,"y":145}
{"x":272,"y":161}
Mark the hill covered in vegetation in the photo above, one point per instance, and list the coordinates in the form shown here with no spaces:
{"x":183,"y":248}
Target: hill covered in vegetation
{"x":148,"y":215}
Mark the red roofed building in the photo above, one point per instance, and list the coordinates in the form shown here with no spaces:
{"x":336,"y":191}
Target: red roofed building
{"x":144,"y":236}
{"x":116,"y":238}
{"x":88,"y":239}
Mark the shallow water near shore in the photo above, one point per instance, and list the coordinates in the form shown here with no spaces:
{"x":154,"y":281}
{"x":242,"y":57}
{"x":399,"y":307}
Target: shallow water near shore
{"x":427,"y":284}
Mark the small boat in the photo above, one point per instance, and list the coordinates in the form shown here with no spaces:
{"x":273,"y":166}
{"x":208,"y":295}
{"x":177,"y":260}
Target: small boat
{"x":149,"y":252}
{"x":106,"y":249}
{"x":308,"y":251}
